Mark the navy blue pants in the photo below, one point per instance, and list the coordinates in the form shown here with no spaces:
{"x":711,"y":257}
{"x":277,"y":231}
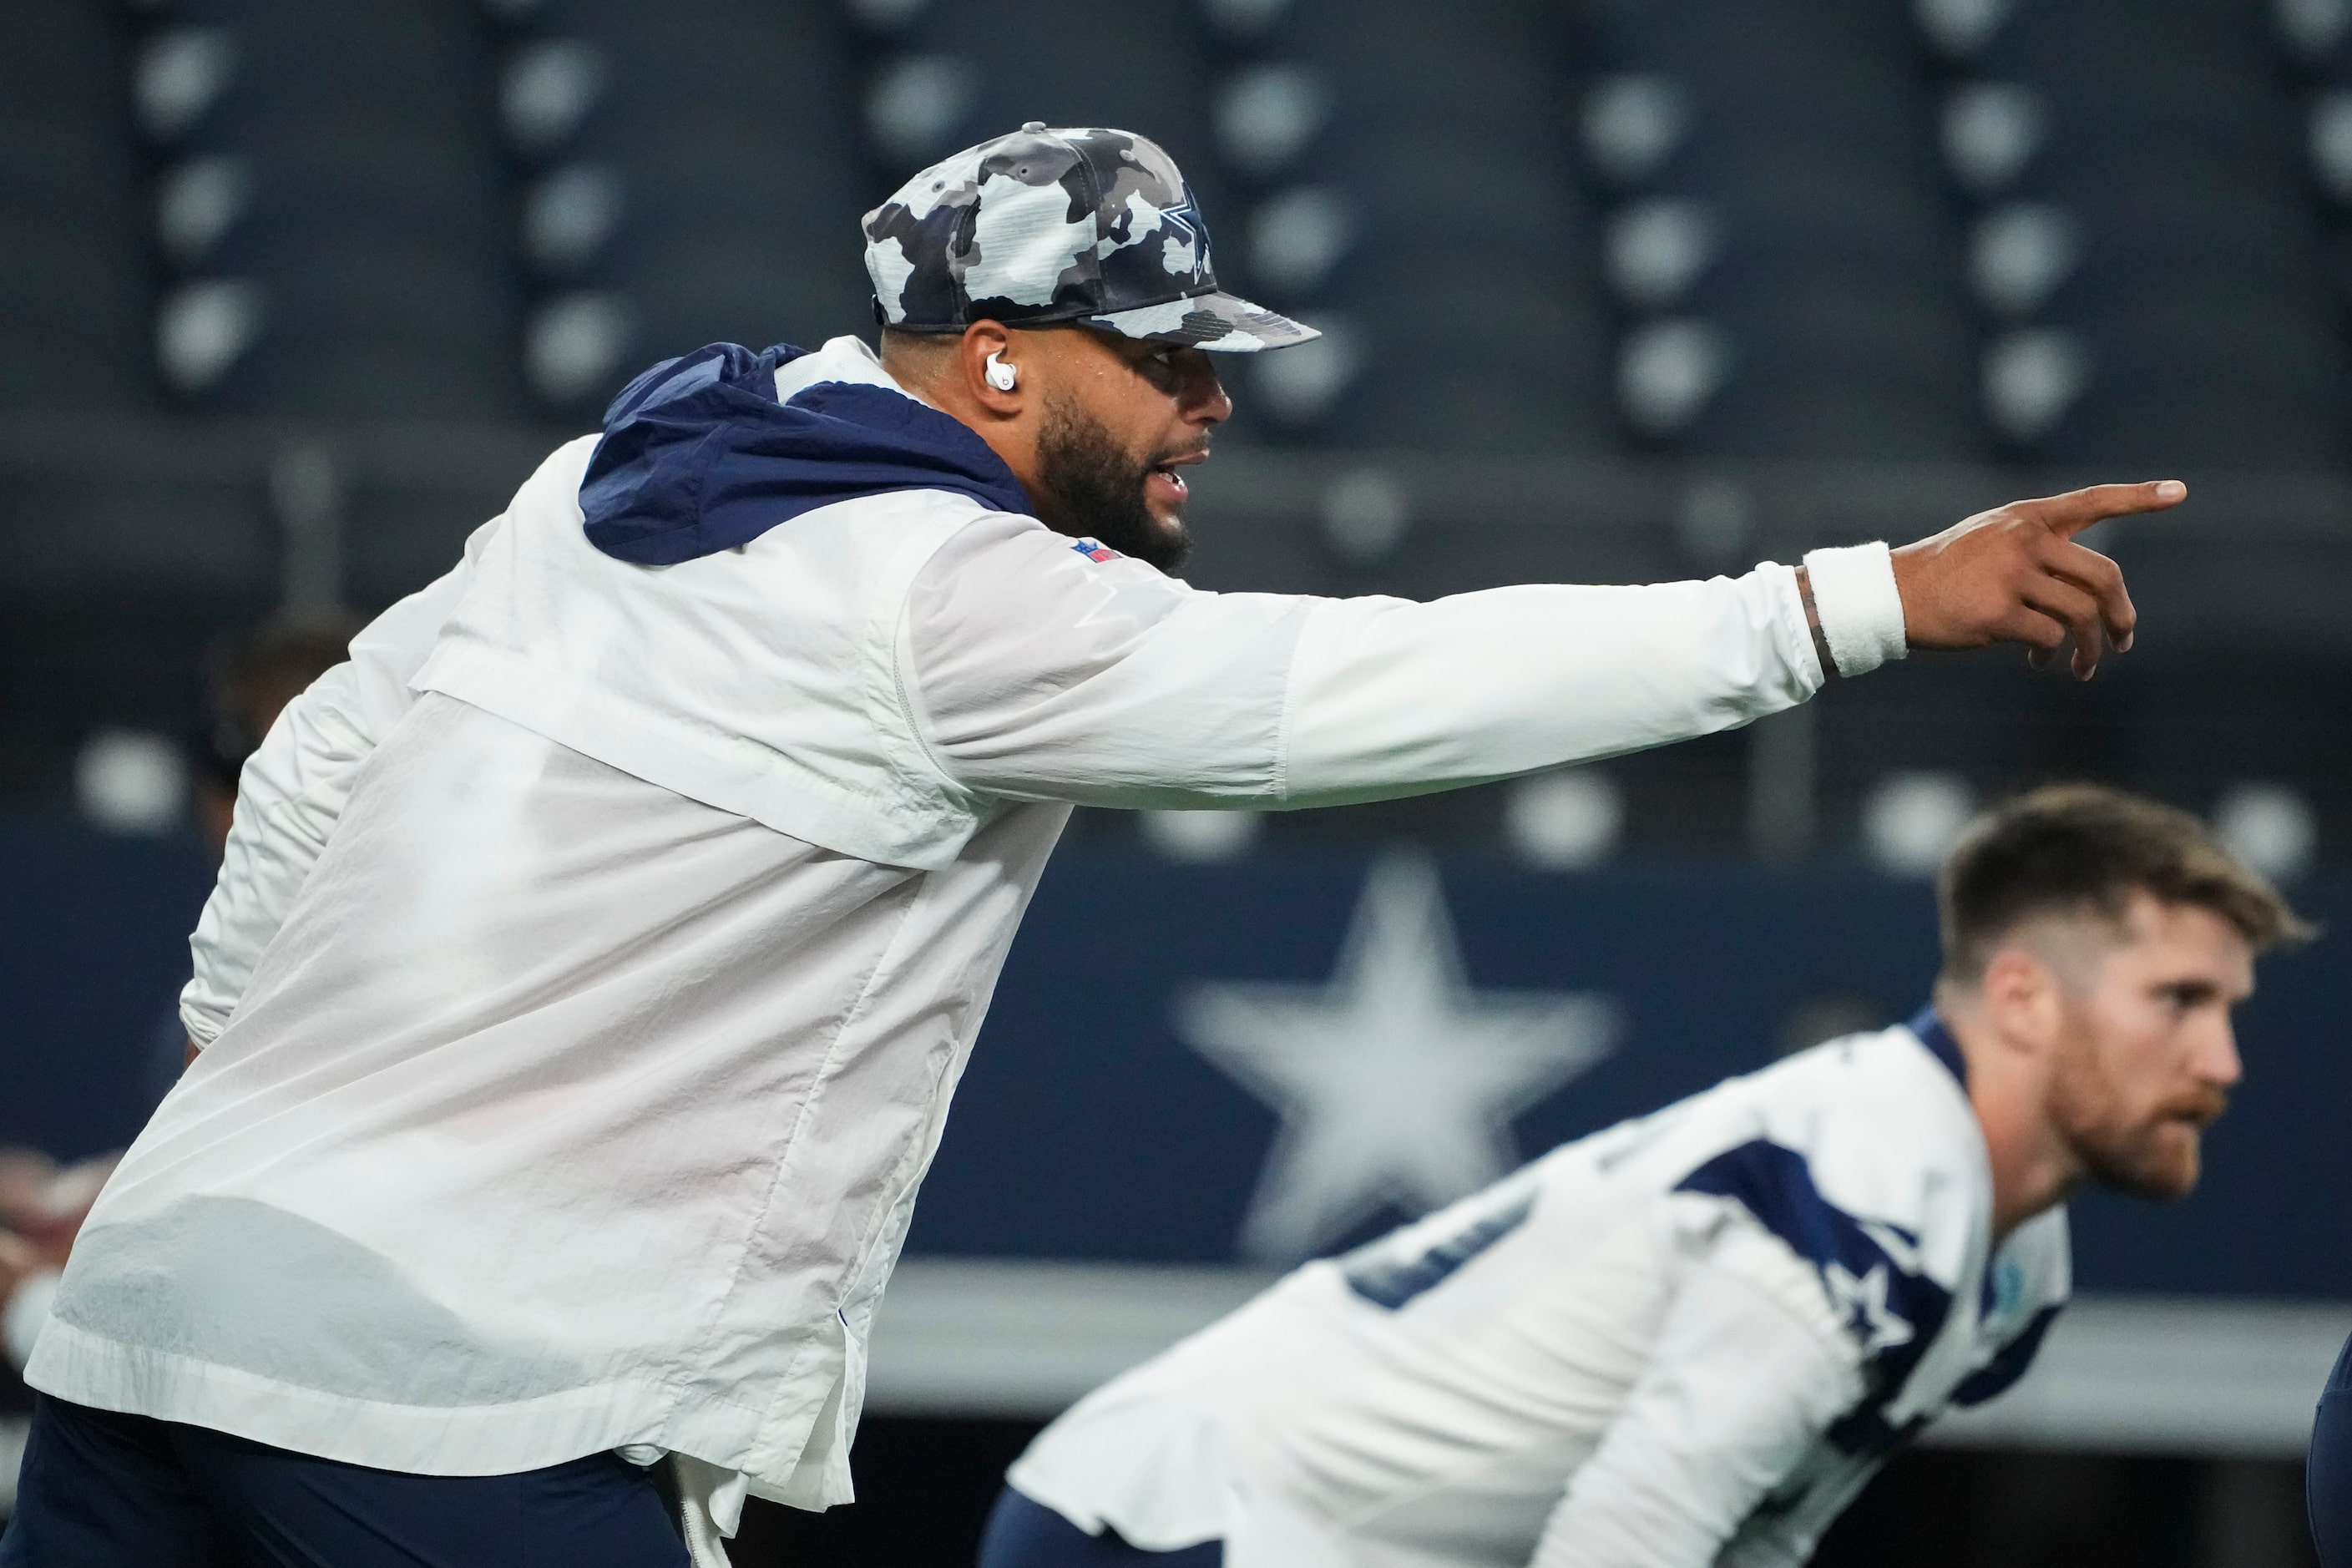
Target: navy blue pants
{"x":102,"y":1491}
{"x":2327,"y":1473}
{"x":1024,"y":1533}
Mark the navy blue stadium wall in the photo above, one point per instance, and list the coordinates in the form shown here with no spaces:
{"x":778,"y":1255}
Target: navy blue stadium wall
{"x":1087,"y":1126}
{"x":93,"y":951}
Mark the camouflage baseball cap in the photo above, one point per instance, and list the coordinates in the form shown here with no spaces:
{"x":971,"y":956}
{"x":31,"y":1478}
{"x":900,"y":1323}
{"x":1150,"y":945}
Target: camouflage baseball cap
{"x":1041,"y":225}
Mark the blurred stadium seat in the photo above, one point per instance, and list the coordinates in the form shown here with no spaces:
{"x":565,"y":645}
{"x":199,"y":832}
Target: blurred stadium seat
{"x":2204,"y":329}
{"x":74,"y":268}
{"x":1832,"y":287}
{"x":338,"y":234}
{"x":723,"y":138}
{"x":1458,"y":261}
{"x":1050,"y":60}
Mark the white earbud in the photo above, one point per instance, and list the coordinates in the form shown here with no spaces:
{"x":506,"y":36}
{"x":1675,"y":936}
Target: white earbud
{"x":1001,"y":375}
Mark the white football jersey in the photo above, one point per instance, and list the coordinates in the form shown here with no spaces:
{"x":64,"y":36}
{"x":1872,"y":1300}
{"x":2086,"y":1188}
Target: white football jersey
{"x":1687,"y":1340}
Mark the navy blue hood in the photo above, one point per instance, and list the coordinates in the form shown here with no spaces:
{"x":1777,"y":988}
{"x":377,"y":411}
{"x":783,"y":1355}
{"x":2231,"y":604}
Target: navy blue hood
{"x":699,"y":457}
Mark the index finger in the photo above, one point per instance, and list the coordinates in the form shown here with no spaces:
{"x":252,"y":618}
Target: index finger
{"x":2068,"y":515}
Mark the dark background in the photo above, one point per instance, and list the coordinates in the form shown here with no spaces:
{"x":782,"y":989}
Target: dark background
{"x":292,"y":296}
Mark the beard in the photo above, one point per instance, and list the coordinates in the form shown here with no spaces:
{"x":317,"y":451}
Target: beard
{"x":1094,"y":488}
{"x":2154,"y":1153}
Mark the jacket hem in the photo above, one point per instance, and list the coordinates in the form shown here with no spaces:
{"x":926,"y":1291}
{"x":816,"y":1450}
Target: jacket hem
{"x":74,"y":1364}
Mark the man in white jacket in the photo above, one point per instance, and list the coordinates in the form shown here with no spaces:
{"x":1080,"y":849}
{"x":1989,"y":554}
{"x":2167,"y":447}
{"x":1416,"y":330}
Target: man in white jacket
{"x":598,"y":950}
{"x":1690,"y":1339}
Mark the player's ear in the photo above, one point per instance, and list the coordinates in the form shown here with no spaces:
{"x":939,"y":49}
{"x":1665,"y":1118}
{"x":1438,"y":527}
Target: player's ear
{"x":990,"y":369}
{"x":2023,"y":998}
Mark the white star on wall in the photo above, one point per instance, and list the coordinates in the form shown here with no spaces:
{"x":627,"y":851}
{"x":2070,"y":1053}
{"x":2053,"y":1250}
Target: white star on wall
{"x":1396,"y":1081}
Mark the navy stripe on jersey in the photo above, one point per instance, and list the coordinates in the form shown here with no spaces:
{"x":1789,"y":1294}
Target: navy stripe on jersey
{"x":1996,"y":1375}
{"x":1869,"y":1270}
{"x":1400,"y":1266}
{"x":2010,"y":1363}
{"x":1939,"y":1042}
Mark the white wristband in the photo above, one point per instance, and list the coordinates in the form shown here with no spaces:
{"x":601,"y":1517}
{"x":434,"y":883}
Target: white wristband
{"x":1861,"y":612}
{"x":26,"y":1316}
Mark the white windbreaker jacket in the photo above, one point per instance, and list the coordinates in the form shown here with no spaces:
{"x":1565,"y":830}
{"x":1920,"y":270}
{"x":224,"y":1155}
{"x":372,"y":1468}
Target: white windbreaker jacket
{"x":1686,"y":1341}
{"x":598,"y":950}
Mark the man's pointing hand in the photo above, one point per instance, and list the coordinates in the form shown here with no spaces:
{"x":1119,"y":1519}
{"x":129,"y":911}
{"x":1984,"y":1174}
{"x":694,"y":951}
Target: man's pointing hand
{"x":2015,"y":574}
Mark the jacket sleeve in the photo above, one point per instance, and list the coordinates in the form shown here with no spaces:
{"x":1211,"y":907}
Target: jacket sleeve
{"x":1036,"y":672}
{"x":293,"y":789}
{"x":1748,"y":1370}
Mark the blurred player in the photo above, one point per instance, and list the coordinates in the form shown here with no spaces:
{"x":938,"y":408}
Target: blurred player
{"x":1692,"y":1338}
{"x":598,"y":950}
{"x":2327,"y":1476}
{"x":256,"y":675}
{"x":42,"y":1208}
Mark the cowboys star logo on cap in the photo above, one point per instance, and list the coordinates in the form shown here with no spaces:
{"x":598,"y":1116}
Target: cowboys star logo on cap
{"x":1091,"y":225}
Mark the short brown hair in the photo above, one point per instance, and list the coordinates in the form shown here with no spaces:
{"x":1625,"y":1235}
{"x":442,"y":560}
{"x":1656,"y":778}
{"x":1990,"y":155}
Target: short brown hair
{"x":258,"y":671}
{"x":2085,"y":849}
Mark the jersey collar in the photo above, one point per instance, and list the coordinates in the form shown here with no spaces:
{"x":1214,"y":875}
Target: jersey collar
{"x":1940,"y":1044}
